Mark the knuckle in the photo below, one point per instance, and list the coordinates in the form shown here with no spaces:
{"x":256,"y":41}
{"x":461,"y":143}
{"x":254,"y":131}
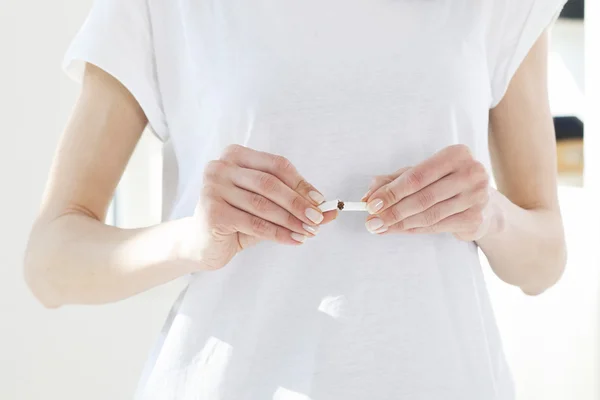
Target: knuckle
{"x":209,"y":191}
{"x":390,"y":194}
{"x":378,"y":181}
{"x":381,"y":179}
{"x":462,"y":150}
{"x":400,"y":225}
{"x":415,"y":179}
{"x":259,"y":225}
{"x":485,"y":179}
{"x":396,"y":213}
{"x":482,"y":186}
{"x":280,"y":234}
{"x":214,"y":169}
{"x":260,"y":203}
{"x":479,"y":169}
{"x":476,"y":172}
{"x":282,"y":164}
{"x":231,"y":151}
{"x":291,"y":220}
{"x":432,"y":216}
{"x":386,"y":179}
{"x":400,"y":172}
{"x":297,"y":204}
{"x":303,"y":185}
{"x":425,"y":198}
{"x":267,"y":183}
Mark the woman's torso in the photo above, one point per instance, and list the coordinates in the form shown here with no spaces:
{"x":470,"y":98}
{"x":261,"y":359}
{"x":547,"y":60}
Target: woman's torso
{"x":346,"y":91}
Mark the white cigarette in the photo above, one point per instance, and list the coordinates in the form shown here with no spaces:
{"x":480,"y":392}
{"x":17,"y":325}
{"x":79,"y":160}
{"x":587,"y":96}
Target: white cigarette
{"x":329,"y":205}
{"x":354,"y":206}
{"x":343,"y":205}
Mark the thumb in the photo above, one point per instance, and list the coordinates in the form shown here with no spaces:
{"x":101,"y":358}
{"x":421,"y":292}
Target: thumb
{"x":246,"y":241}
{"x":376,"y":183}
{"x":382,"y":180}
{"x":329,"y":216}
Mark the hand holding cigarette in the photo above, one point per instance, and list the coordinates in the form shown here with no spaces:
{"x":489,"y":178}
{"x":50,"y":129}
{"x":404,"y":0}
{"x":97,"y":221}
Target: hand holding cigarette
{"x":448,"y":192}
{"x":249,"y":196}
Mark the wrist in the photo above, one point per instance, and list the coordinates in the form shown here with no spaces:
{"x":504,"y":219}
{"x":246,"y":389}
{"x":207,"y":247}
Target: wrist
{"x":186,"y":243}
{"x":498,"y":212}
{"x":496,"y":215}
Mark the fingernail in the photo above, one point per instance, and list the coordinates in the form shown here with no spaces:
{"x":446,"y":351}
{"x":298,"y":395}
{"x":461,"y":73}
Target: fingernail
{"x":381,"y":230}
{"x":374,"y":224}
{"x":375,"y":205}
{"x":314,"y":215}
{"x":316,"y":196}
{"x":311,"y":229}
{"x":298,"y":237}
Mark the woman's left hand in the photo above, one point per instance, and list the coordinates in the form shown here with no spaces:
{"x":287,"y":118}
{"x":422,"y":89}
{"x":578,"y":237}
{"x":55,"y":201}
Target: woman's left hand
{"x":448,"y":192}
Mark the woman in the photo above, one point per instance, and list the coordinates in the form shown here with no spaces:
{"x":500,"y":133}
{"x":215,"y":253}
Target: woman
{"x":270,"y":108}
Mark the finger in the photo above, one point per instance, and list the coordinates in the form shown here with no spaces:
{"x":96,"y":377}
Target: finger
{"x":376,"y":183}
{"x":255,"y":226}
{"x":270,"y":187}
{"x":436,"y":167}
{"x":433,"y":215}
{"x":381,"y":180}
{"x":423,"y":200}
{"x":225,"y":172}
{"x":275,"y":165}
{"x":464,"y":222}
{"x":224,"y":219}
{"x":260,"y":206}
{"x":329,"y":216}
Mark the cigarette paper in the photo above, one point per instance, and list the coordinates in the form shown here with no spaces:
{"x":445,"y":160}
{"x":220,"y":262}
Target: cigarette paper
{"x":355,"y":206}
{"x":343,"y":205}
{"x":329,"y":205}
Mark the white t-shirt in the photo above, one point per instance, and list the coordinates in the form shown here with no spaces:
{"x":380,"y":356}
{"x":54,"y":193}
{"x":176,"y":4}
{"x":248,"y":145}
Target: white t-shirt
{"x":346,"y":90}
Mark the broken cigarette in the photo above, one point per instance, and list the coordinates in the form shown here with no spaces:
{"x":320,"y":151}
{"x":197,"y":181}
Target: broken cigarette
{"x":343,"y":205}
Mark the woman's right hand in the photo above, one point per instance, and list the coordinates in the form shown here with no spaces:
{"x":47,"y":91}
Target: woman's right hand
{"x":249,"y":196}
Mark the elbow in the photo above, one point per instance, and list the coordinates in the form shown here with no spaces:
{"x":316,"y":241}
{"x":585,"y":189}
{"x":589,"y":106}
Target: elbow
{"x":40,"y":285}
{"x":548,"y":271}
{"x":39,"y":277}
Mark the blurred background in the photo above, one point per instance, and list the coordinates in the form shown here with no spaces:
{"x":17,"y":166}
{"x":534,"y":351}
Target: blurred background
{"x":551,"y":341}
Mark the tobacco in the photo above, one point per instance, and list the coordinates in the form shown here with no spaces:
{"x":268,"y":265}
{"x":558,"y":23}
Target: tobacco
{"x":343,"y":206}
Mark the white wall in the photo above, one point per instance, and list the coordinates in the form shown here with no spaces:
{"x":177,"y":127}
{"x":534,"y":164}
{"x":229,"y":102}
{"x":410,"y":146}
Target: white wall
{"x":97,"y":352}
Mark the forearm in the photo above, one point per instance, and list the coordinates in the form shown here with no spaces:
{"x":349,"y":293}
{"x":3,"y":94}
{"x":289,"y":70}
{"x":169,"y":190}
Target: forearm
{"x":76,"y":259}
{"x":525,"y":247}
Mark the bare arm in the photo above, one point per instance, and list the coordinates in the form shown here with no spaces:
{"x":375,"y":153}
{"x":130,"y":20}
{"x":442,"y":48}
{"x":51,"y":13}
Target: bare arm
{"x":73,"y":257}
{"x":519,"y":225}
{"x":528,"y":250}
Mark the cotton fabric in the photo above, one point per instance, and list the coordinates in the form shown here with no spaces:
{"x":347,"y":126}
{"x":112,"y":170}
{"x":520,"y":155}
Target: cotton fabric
{"x":346,"y":90}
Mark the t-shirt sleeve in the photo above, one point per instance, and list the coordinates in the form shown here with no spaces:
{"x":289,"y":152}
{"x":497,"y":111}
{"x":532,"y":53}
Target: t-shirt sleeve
{"x":117,"y":37}
{"x":515,"y":26}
